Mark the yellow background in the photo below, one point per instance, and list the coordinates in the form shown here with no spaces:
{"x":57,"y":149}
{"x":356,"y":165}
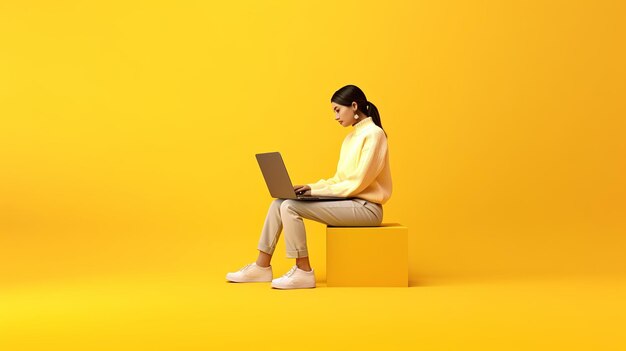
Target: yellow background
{"x":128,"y":132}
{"x":129,"y":187}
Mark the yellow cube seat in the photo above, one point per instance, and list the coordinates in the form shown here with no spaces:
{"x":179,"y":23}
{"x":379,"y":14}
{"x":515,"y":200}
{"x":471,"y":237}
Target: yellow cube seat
{"x":367,"y":256}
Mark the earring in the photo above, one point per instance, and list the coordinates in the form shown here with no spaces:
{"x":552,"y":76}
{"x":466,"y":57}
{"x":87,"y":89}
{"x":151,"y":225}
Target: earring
{"x":356,"y":116}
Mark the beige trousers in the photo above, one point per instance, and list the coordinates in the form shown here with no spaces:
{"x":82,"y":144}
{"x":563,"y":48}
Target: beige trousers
{"x":289,"y":214}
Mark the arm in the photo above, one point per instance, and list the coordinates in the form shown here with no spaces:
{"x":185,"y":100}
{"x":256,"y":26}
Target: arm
{"x":371,"y":161}
{"x":325,"y":182}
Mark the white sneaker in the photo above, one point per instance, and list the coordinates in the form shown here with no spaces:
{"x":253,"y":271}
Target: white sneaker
{"x":251,"y":273}
{"x":296,"y":278}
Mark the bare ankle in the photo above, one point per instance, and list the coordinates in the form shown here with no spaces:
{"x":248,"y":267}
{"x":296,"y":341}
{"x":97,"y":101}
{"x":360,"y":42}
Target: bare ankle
{"x":306,"y":269}
{"x":264,"y":259}
{"x":303,"y":263}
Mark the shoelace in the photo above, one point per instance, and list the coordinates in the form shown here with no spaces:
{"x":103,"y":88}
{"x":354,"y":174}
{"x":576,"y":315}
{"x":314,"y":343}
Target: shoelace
{"x":291,"y":271}
{"x":245,"y":267}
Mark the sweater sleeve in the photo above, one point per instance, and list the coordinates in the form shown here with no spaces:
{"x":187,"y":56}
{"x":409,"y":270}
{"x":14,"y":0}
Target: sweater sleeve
{"x":324,"y":182}
{"x":334,"y":179}
{"x":371,"y":161}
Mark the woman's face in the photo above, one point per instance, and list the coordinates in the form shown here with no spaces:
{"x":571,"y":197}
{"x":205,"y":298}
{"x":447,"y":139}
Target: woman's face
{"x":344,"y":115}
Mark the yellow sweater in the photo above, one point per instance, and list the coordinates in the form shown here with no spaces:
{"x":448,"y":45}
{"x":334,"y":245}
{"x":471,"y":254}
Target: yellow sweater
{"x":363,"y":168}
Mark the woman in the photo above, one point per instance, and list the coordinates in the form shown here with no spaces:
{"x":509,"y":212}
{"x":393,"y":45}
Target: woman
{"x":362,"y":173}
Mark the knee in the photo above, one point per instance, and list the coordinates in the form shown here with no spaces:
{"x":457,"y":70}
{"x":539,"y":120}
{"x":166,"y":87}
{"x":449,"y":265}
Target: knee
{"x":275,"y":205}
{"x":286,"y":205}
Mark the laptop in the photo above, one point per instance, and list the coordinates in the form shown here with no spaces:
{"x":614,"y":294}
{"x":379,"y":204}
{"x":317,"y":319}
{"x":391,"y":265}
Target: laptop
{"x":278,"y":181}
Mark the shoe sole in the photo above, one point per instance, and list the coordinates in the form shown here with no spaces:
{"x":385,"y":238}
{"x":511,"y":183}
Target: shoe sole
{"x":247,"y":281}
{"x":288,"y":288}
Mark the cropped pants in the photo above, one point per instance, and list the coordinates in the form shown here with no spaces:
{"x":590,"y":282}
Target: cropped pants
{"x":288,"y":214}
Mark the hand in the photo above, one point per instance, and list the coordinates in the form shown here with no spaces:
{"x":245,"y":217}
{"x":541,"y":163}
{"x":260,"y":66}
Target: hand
{"x":302,"y":189}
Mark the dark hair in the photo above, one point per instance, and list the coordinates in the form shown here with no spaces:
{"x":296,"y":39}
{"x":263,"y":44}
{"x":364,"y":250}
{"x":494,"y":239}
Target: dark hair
{"x":351,"y":93}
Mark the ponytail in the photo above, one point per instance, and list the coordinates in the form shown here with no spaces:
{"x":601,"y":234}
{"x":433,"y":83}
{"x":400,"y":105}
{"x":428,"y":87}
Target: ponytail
{"x":351,"y":93}
{"x":372,"y":111}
